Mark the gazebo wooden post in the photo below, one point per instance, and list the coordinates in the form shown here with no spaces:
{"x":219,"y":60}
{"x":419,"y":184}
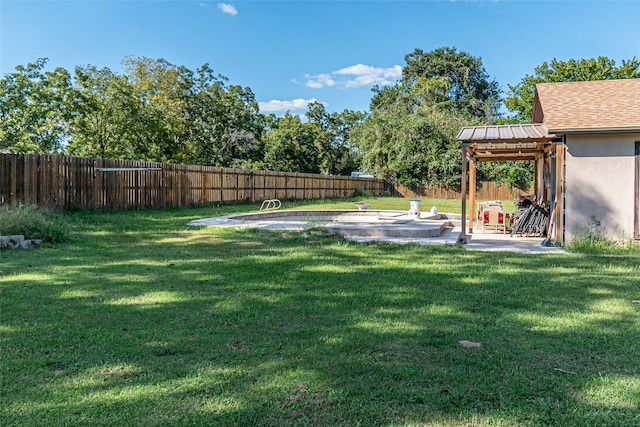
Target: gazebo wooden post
{"x":536,"y":174}
{"x":540,"y":189}
{"x":472,"y":193}
{"x":559,"y":196}
{"x":462,"y":239}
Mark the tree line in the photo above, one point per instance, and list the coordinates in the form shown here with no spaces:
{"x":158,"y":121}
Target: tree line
{"x":158,"y":111}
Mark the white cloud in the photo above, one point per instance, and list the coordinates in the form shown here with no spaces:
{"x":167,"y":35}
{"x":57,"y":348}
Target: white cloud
{"x":346,"y":78}
{"x":319,"y":81}
{"x":358,"y":70}
{"x":227,"y":8}
{"x":275,"y":106}
{"x":355,"y":76}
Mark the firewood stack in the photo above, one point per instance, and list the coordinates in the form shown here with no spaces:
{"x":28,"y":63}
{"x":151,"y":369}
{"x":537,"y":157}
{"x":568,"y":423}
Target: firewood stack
{"x":532,"y":223}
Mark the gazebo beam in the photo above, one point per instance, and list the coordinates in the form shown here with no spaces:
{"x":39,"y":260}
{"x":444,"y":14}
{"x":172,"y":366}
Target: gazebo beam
{"x":480,"y":158}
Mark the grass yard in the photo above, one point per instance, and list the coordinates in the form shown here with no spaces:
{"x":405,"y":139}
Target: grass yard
{"x":393,"y":203}
{"x":139,"y":320}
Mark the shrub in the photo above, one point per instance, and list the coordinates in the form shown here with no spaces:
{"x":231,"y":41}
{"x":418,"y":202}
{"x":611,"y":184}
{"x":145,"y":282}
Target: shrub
{"x":32,"y":222}
{"x":599,"y":243}
{"x":359,"y":192}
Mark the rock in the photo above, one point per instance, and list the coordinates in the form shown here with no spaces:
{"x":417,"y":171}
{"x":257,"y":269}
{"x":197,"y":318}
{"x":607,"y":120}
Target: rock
{"x":18,"y":241}
{"x":17,"y":238}
{"x":466,"y":343}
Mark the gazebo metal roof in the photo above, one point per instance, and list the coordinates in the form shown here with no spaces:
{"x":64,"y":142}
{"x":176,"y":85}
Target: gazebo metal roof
{"x":506,"y":142}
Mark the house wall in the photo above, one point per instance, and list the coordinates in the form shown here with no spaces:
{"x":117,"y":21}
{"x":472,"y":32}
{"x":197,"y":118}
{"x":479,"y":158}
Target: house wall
{"x":600,"y":187}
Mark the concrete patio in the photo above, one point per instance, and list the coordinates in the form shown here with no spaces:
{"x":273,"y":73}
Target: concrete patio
{"x":476,"y":241}
{"x":394,"y":228}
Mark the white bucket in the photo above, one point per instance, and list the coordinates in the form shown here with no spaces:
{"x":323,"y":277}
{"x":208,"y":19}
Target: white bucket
{"x":414,"y":212}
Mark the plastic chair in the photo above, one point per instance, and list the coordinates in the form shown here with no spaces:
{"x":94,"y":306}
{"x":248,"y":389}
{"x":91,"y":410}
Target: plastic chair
{"x":494,"y":219}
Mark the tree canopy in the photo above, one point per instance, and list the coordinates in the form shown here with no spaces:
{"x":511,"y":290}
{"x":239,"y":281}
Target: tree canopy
{"x":154,"y":111}
{"x":291,"y":146}
{"x":158,"y":111}
{"x":338,"y":154}
{"x":34,"y":109}
{"x":467,"y":84}
{"x":410,"y":134}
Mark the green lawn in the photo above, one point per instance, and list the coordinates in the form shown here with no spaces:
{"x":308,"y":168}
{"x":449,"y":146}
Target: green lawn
{"x":139,"y":320}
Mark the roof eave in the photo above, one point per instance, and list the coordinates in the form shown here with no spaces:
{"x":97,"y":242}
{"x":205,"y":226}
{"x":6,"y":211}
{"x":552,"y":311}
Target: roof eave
{"x":574,"y":131}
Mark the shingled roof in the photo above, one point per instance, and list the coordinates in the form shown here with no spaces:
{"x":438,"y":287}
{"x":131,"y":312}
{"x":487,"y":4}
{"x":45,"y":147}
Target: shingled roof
{"x":592,"y":106}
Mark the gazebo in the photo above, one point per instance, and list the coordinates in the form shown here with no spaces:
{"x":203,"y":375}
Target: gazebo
{"x":531,"y":142}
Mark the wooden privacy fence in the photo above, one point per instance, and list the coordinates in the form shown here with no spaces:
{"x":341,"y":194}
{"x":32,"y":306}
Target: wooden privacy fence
{"x":62,"y":183}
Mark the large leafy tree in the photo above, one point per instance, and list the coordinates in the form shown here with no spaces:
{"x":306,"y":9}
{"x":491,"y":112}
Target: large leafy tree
{"x":154,"y":111}
{"x":410,"y":135}
{"x":468,"y":85}
{"x":161,"y":112}
{"x":105,"y":113}
{"x":161,"y":90}
{"x":290,"y":146}
{"x":34,"y":109}
{"x":520,"y":96}
{"x":413,"y":142}
{"x":225,"y":126}
{"x":338,"y":155}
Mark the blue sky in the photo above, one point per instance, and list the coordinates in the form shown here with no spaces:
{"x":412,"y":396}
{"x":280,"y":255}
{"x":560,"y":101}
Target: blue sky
{"x":292,"y":52}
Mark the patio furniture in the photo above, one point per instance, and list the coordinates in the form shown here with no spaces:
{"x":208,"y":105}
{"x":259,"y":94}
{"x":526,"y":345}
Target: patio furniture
{"x":494,"y":218}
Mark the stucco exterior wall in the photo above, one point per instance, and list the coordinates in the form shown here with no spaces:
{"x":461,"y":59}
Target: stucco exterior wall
{"x":600,"y":188}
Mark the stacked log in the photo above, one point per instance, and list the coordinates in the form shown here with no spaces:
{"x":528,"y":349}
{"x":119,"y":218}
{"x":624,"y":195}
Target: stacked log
{"x":532,"y":223}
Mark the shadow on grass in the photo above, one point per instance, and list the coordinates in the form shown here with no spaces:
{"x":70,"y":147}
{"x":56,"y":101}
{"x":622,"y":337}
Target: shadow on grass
{"x":151,"y":323}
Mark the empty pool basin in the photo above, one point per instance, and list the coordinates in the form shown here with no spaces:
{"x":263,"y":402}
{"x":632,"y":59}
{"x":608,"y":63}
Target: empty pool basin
{"x":361,"y":223}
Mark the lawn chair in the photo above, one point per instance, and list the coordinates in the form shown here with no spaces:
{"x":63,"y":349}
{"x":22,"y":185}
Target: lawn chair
{"x":493,"y":222}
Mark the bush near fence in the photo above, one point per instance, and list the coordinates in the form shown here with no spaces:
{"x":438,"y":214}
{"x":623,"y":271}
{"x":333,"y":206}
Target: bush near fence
{"x":62,"y":183}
